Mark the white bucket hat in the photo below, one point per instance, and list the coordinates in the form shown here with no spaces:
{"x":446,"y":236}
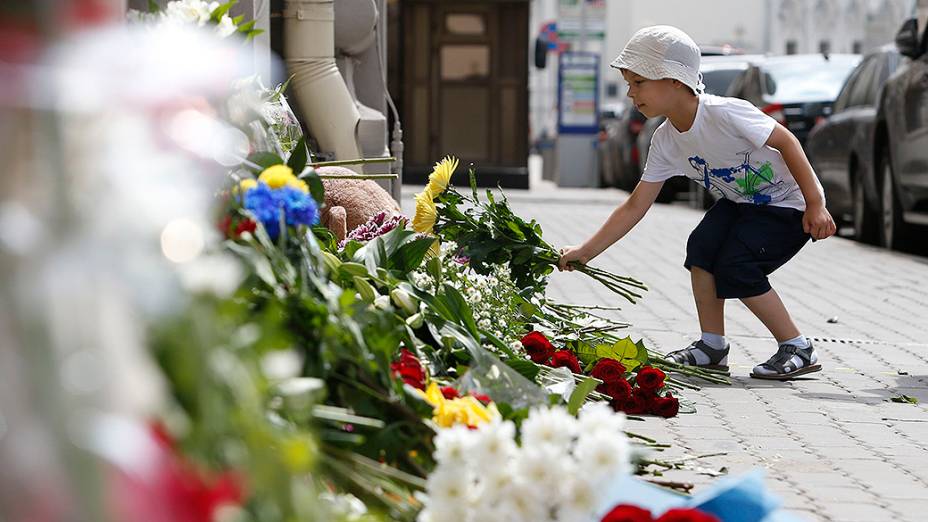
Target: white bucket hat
{"x":662,"y":51}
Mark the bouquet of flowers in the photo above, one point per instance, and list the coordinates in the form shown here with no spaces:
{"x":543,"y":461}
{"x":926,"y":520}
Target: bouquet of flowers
{"x":489,"y":233}
{"x":278,"y":200}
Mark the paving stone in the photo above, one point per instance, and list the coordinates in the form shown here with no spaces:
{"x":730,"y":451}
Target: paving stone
{"x":856,"y":512}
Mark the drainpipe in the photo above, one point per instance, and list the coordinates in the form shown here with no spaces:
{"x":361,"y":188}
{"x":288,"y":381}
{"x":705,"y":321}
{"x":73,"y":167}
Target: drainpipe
{"x":309,"y":50}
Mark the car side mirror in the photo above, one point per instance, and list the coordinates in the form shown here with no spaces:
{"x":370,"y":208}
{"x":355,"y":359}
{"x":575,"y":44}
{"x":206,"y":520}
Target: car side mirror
{"x":541,"y":53}
{"x":907,"y":39}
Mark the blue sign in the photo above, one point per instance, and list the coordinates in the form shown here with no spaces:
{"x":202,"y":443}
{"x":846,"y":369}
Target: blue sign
{"x":578,"y":93}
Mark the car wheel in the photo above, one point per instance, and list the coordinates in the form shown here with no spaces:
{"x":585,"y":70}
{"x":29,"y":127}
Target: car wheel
{"x":864,"y":217}
{"x":892,"y":231}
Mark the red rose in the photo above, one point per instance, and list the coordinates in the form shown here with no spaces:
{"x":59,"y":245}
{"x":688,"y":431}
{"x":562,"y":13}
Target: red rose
{"x":627,"y":513}
{"x":637,"y":404}
{"x":245,"y":225}
{"x":608,"y":370}
{"x":619,"y":390}
{"x":449,"y":392}
{"x":482,"y":397}
{"x":409,"y":369}
{"x":538,"y":347}
{"x":650,"y":378}
{"x":666,"y":407}
{"x":687,"y":515}
{"x":567,"y":359}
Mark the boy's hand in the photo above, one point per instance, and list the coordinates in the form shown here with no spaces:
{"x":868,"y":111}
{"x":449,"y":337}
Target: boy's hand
{"x":572,"y":253}
{"x":818,"y":223}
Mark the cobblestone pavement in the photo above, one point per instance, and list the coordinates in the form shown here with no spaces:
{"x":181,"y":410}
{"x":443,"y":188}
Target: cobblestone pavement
{"x":833,"y":445}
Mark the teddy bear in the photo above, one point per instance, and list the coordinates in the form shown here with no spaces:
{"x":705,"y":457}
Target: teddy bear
{"x":352,"y":202}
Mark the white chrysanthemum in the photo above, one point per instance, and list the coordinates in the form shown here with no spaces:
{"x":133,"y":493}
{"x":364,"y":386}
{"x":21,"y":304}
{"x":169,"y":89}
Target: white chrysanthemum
{"x":549,"y":427}
{"x":495,"y":445}
{"x":226,"y":26}
{"x":579,"y":499}
{"x":497,"y":482}
{"x":543,"y":464}
{"x":449,"y":489}
{"x":453,"y":446}
{"x":603,"y":456}
{"x":598,"y":417}
{"x":522,"y":504}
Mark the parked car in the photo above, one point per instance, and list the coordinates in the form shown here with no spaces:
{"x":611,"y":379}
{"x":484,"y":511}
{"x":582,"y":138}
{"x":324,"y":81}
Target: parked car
{"x":840,"y":147}
{"x":795,"y":89}
{"x":613,"y":165}
{"x":718,"y":71}
{"x":901,"y":142}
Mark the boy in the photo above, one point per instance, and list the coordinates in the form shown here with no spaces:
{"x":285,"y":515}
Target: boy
{"x":770,"y":201}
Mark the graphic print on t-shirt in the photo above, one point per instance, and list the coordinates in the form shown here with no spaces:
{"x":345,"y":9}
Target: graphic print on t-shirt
{"x":758,"y":185}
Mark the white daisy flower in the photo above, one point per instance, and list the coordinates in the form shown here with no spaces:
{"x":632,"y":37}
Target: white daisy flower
{"x":549,"y":426}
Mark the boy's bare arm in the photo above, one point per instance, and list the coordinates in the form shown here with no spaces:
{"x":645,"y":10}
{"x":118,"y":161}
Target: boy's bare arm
{"x":623,"y":219}
{"x":817,"y":221}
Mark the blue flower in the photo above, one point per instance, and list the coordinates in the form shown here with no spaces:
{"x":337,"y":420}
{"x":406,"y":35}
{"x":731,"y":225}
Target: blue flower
{"x":266,"y":204}
{"x":300,"y":207}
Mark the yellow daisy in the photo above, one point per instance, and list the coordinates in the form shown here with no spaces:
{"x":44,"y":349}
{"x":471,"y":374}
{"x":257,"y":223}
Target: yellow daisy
{"x":441,"y":175}
{"x":277,"y":176}
{"x":247,"y":184}
{"x":426,"y":213}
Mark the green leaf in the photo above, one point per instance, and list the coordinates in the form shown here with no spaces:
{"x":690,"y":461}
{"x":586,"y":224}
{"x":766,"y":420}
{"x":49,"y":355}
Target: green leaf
{"x":153,"y":7}
{"x":410,"y":255}
{"x":580,"y":394}
{"x":462,"y":313}
{"x":222,"y":9}
{"x":624,"y":351}
{"x":238,"y":19}
{"x":263,"y":160}
{"x":586,"y":352}
{"x":642,"y":352}
{"x":297,"y":161}
{"x":316,"y":188}
{"x":433,"y":268}
{"x":526,"y":368}
{"x":905,"y":399}
{"x":246,"y":27}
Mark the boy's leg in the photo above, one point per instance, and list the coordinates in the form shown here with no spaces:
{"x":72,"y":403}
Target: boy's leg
{"x":772,"y":312}
{"x":709,"y":307}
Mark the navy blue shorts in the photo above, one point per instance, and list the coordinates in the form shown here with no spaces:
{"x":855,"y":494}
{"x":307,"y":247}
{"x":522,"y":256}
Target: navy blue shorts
{"x":741,"y":244}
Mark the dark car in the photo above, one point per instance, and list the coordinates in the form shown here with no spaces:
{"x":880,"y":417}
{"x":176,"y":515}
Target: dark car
{"x":840,"y":147}
{"x":795,"y":89}
{"x":614,"y":153}
{"x":901,"y":142}
{"x":618,"y":145}
{"x":718,"y":72}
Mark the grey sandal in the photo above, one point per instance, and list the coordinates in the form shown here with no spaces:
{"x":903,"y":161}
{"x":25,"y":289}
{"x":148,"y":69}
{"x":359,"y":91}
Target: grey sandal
{"x":789,"y":362}
{"x":702,"y":355}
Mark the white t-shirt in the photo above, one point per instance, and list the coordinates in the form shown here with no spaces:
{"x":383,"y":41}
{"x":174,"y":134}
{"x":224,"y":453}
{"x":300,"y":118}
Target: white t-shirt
{"x":725,"y":152}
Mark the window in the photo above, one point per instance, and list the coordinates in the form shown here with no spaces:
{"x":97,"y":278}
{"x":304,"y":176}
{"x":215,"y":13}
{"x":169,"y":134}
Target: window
{"x":465,"y":62}
{"x":465,"y":23}
{"x":844,"y":97}
{"x":860,"y":94}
